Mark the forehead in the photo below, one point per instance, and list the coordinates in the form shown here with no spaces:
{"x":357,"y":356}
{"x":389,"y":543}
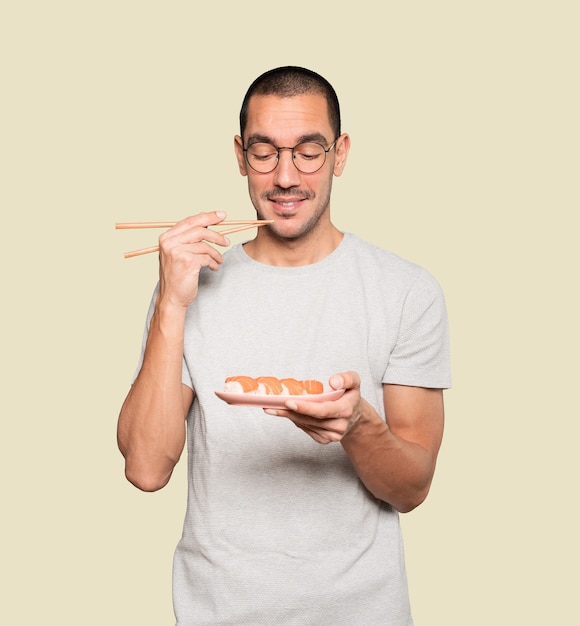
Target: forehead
{"x":284,"y":120}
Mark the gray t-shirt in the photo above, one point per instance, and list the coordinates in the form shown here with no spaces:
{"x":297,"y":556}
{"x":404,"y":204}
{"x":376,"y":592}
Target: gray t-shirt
{"x":279,"y":529}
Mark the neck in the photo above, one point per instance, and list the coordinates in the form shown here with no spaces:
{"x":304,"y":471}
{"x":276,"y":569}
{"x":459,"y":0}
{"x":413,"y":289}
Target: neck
{"x":272,"y":249}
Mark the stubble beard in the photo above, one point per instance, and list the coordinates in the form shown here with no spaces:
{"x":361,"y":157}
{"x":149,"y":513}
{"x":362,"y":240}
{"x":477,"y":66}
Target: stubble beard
{"x":309,"y":226}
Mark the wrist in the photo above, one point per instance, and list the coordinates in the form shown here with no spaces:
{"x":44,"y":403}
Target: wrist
{"x":168,"y":317}
{"x":170,"y":307}
{"x":368,"y":424}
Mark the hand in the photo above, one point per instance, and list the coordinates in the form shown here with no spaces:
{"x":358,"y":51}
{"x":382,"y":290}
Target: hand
{"x":329,"y":421}
{"x":183,"y":251}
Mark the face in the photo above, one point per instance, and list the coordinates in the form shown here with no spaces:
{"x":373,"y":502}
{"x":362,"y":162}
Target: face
{"x":296,"y":202}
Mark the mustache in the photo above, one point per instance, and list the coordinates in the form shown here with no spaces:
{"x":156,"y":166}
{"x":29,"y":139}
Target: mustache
{"x":293,"y":192}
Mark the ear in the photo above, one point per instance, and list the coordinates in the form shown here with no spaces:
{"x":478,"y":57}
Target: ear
{"x":342,"y":148}
{"x":239,"y":150}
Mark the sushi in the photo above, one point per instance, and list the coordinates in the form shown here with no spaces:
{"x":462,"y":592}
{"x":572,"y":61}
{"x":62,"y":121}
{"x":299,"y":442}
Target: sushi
{"x":270,"y":385}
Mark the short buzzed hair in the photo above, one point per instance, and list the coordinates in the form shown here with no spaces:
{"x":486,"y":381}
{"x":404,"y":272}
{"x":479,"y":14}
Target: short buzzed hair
{"x":290,"y":81}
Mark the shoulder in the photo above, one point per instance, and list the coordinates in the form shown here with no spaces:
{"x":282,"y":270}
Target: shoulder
{"x":386,"y":267}
{"x":366,"y":251}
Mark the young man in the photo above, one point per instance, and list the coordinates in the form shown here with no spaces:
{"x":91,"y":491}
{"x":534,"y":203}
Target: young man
{"x":290,"y":525}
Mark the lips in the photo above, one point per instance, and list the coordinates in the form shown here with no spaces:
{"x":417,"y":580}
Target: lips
{"x":286,"y":205}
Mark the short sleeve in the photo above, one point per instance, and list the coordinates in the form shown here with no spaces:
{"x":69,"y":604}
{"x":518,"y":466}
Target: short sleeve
{"x":421,"y":356}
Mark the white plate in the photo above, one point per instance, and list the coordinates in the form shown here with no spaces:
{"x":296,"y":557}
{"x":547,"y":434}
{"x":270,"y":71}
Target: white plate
{"x":278,"y":401}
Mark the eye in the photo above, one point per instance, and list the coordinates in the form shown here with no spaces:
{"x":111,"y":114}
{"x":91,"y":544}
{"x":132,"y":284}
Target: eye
{"x":262,"y":151}
{"x":308,"y":151}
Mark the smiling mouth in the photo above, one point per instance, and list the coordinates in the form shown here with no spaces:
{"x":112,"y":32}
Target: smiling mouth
{"x":287,"y":204}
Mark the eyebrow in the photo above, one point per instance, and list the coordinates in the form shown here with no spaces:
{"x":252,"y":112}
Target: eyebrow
{"x":309,"y":137}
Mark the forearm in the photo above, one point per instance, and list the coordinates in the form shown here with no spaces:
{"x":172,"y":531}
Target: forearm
{"x":151,"y":428}
{"x":393,"y":469}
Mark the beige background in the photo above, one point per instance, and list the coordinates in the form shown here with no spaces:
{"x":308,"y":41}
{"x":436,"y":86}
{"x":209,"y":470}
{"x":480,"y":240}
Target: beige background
{"x":465,"y":132}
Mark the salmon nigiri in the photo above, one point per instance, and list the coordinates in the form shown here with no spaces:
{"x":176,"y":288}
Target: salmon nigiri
{"x":241,"y":384}
{"x":269,"y":385}
{"x":312,"y":386}
{"x":292,"y":386}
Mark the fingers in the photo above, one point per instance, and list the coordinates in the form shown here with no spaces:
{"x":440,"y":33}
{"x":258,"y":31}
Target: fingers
{"x":326,"y":422}
{"x":320,"y":426}
{"x":345,"y":380}
{"x":188,"y":244}
{"x":319,"y":438}
{"x":192,"y":256}
{"x":201,"y":220}
{"x":193,"y":230}
{"x":184,"y":250}
{"x":317,"y":411}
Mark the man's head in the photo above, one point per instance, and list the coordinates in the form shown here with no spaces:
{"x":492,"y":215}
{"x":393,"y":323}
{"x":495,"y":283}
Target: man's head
{"x":290,"y":81}
{"x":289,"y":149}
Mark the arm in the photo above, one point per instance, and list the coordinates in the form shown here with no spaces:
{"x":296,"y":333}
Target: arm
{"x":151,"y":426}
{"x":394,"y":460}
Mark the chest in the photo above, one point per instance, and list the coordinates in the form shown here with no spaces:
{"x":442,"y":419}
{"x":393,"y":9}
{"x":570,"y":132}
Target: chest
{"x":289,"y":327}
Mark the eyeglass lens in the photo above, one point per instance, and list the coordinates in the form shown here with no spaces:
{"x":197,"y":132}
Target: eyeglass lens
{"x":307,"y":157}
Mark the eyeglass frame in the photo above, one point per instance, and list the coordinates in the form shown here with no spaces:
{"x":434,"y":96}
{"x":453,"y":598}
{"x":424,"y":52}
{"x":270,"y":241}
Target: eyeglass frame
{"x":326,"y":151}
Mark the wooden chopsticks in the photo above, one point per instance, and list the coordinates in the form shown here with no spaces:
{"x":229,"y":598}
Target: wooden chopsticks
{"x":239,"y":226}
{"x":126,"y":225}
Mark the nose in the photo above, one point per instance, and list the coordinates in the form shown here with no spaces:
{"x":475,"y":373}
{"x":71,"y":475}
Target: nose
{"x":286,"y":174}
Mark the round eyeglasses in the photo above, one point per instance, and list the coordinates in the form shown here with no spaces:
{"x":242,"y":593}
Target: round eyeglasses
{"x":307,"y":157}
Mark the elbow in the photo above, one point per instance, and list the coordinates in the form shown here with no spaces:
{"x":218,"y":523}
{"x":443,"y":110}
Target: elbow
{"x":145,"y":472}
{"x":407,"y":507}
{"x":145,"y":479}
{"x":407,"y":501}
{"x":411,"y":501}
{"x":145,"y":484}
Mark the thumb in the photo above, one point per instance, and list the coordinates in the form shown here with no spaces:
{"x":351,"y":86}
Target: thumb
{"x":336,"y":381}
{"x":345,"y":380}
